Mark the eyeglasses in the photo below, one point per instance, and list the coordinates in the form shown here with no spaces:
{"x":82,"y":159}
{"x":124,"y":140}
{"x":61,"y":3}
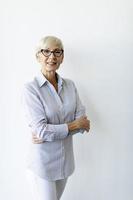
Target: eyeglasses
{"x":56,"y":52}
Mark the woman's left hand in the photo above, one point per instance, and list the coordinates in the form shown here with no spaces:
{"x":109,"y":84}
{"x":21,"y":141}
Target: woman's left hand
{"x":36,"y":140}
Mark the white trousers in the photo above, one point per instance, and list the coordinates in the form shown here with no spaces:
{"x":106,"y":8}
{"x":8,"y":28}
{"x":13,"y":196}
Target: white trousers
{"x":42,"y":189}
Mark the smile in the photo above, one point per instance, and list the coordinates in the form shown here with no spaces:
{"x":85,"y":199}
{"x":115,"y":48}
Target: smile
{"x":51,"y":63}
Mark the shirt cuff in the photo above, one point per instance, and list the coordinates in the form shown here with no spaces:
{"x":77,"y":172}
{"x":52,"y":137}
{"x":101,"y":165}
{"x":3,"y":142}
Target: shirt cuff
{"x":61,"y":131}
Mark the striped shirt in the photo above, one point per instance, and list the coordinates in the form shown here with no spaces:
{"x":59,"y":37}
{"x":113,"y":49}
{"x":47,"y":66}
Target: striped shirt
{"x":48,"y":112}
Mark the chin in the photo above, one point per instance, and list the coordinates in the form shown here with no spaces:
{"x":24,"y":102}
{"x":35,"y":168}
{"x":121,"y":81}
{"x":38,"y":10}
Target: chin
{"x":49,"y":68}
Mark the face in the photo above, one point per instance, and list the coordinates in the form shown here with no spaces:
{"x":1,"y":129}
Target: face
{"x":53,"y":61}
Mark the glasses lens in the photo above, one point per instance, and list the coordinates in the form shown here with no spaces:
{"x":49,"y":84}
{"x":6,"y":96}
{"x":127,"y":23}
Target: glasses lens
{"x":47,"y":52}
{"x":58,"y":53}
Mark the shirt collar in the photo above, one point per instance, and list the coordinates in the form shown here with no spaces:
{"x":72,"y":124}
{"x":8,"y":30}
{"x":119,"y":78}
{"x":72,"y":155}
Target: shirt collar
{"x":41,"y":79}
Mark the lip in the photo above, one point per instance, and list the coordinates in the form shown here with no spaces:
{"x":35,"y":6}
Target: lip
{"x":51,"y":63}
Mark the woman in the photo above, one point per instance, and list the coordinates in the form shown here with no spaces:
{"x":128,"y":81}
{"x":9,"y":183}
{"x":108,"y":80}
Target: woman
{"x":54,"y":113}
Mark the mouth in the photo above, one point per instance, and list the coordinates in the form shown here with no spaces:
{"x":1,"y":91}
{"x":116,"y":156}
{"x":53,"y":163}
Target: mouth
{"x":51,"y":63}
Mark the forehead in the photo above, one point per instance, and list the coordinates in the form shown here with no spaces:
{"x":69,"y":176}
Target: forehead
{"x":51,"y":45}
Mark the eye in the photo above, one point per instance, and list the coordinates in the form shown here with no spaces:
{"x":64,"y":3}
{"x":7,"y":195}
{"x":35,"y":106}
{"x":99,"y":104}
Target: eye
{"x":46,"y":51}
{"x":58,"y":51}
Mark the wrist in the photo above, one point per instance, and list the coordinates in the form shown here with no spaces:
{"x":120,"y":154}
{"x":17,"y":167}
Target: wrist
{"x":72,"y":126}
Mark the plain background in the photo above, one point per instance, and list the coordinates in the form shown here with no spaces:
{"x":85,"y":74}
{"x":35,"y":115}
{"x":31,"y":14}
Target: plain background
{"x":98,"y":40}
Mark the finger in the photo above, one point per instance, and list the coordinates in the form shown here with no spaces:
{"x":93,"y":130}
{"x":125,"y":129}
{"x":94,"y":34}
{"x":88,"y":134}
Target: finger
{"x":36,"y":139}
{"x":88,"y":120}
{"x":37,"y":142}
{"x":87,"y":129}
{"x":34,"y":136}
{"x":82,"y":117}
{"x":85,"y":117}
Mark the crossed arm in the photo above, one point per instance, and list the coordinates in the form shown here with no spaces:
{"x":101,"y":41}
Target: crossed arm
{"x":41,"y":131}
{"x":81,"y":123}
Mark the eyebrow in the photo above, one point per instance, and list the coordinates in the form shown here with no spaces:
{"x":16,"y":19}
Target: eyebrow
{"x":53,"y":49}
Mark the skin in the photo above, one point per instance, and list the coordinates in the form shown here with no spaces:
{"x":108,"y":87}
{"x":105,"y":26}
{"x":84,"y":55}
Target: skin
{"x":49,"y":65}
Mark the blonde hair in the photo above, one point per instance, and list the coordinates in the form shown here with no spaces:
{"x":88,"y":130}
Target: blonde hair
{"x":48,"y":39}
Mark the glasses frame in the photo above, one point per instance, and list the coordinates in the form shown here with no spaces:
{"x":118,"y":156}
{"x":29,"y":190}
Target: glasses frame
{"x":53,"y":51}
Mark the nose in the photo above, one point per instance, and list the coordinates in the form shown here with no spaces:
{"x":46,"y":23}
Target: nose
{"x":52,"y":55}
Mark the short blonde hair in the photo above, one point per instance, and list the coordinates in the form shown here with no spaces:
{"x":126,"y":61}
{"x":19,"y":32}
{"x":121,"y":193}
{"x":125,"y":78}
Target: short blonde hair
{"x":48,"y":39}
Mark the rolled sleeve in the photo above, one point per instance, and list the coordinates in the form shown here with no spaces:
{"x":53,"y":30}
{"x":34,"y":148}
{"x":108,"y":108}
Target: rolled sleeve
{"x":37,"y":120}
{"x":56,"y":132}
{"x":80,"y":110}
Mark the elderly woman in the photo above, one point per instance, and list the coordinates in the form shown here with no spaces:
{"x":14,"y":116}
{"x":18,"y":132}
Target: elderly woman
{"x":54,"y":114}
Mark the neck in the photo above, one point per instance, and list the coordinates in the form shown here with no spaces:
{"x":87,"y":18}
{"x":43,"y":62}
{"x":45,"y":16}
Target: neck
{"x":50,"y":76}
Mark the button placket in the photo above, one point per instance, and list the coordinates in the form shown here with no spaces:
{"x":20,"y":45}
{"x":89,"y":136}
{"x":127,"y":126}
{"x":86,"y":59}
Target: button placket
{"x":58,"y":100}
{"x":61,"y":110}
{"x":63,"y":157}
{"x":56,"y":95}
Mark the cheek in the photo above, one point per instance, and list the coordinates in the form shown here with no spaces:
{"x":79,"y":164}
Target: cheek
{"x":43,"y":60}
{"x":61,"y":60}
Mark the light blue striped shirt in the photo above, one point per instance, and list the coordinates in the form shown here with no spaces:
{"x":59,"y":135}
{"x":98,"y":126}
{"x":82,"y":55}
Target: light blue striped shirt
{"x":48,"y":113}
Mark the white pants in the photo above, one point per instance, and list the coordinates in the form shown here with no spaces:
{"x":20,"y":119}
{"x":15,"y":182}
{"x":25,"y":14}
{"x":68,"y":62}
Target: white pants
{"x":42,"y":189}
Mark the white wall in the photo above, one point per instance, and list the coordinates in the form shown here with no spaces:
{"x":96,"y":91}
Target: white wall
{"x":98,"y":39}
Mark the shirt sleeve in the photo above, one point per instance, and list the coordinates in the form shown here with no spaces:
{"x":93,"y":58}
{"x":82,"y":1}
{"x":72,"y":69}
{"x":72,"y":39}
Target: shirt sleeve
{"x":80,"y":110}
{"x":36,"y":117}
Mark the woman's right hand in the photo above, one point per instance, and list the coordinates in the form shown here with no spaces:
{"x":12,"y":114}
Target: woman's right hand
{"x":80,"y":123}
